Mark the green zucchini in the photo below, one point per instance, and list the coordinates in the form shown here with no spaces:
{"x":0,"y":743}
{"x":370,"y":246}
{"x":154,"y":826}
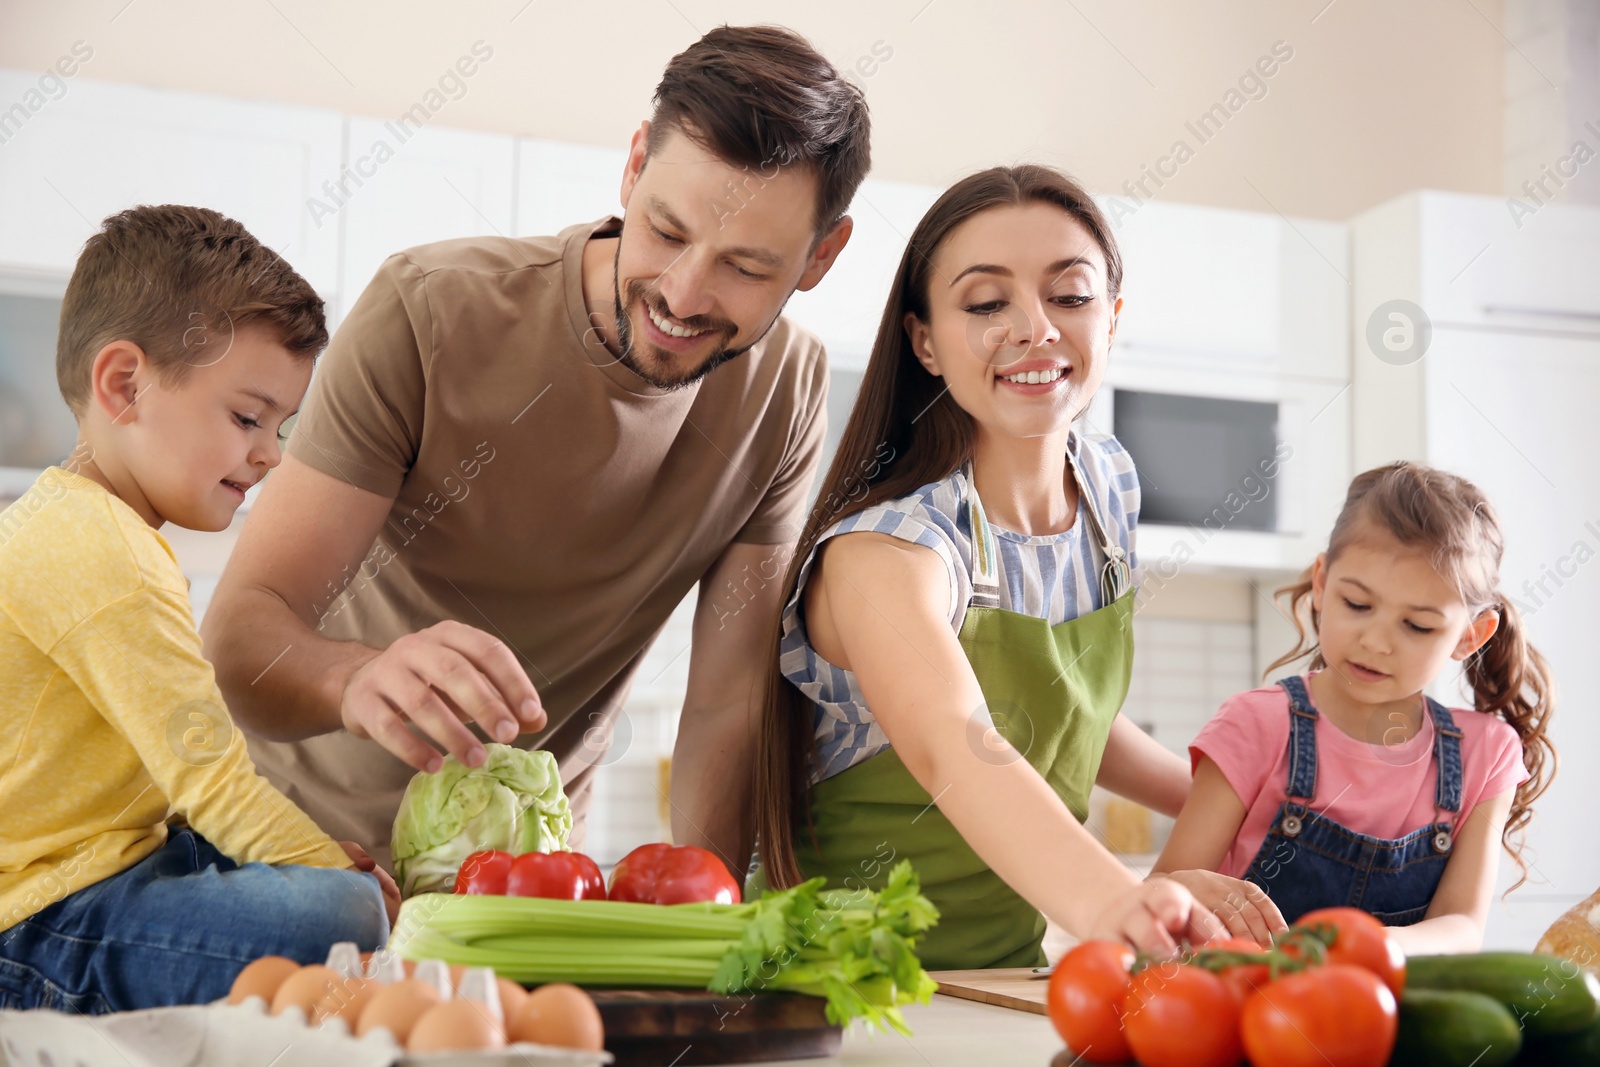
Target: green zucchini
{"x":1546,"y":994}
{"x":1455,"y":1028}
{"x":1580,"y":1049}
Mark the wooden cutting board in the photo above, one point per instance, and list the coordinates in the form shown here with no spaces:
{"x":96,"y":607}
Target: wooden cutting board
{"x":680,"y":1027}
{"x":1006,"y":987}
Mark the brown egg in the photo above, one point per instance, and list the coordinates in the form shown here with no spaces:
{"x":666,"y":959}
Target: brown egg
{"x":262,"y":979}
{"x":512,"y":996}
{"x":558,"y":1014}
{"x":397,"y":1008}
{"x":455,"y":1024}
{"x":347,"y":999}
{"x":314,"y":989}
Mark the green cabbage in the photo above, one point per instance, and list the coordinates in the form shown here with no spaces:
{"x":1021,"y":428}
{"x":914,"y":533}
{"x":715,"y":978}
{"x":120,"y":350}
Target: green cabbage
{"x":513,"y":802}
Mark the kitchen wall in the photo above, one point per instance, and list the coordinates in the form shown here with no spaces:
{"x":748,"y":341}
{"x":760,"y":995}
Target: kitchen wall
{"x":1103,"y":89}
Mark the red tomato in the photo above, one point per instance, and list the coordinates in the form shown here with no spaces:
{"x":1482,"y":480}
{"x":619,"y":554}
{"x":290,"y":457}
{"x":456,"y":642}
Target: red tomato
{"x":1245,"y":978}
{"x":1182,"y":1016}
{"x":1333,"y":1016}
{"x":484,"y":873}
{"x":557,"y":875}
{"x":1085,"y":1000}
{"x":1361,"y":941}
{"x":634,"y":878}
{"x":667,"y":874}
{"x":594,"y":883}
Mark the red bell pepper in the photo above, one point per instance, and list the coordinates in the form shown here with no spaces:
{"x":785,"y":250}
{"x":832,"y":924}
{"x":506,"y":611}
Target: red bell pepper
{"x":557,"y":875}
{"x":667,"y":874}
{"x":484,"y":873}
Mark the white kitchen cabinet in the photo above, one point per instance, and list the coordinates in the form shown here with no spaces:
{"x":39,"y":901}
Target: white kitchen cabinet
{"x":410,"y":186}
{"x":1235,"y":291}
{"x":1490,"y":267}
{"x":1507,"y":400}
{"x":1516,"y":416}
{"x":104,"y":147}
{"x":559,"y":184}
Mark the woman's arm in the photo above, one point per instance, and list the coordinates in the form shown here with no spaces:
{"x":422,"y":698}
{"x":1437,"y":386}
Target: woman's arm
{"x":1205,"y":830}
{"x":1136,"y":766}
{"x":878,"y":607}
{"x":1460,"y":906}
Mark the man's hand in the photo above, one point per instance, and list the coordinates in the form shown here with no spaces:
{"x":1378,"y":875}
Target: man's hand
{"x":439,"y":679}
{"x":1243,"y":907}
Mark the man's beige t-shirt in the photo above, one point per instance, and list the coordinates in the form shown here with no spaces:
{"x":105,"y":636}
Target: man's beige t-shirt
{"x":543,"y":492}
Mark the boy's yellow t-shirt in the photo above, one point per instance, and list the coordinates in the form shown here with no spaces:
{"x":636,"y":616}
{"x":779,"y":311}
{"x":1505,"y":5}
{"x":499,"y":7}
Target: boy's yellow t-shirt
{"x":110,"y":718}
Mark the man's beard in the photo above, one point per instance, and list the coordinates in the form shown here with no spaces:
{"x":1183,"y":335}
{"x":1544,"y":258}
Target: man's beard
{"x":640,"y":293}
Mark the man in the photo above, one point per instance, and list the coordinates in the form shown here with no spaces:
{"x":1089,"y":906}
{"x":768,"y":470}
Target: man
{"x":519,"y":455}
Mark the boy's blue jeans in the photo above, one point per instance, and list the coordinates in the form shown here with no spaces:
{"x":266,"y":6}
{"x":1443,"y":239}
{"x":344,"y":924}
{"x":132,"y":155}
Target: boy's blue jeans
{"x":177,"y":927}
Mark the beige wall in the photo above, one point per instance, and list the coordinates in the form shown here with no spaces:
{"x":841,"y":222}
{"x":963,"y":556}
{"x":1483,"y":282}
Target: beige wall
{"x":1379,"y":97}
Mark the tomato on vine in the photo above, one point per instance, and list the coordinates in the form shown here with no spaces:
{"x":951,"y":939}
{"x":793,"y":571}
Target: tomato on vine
{"x":1179,"y":1015}
{"x":1335,"y":1015}
{"x":1085,"y":1000}
{"x":1356,"y":938}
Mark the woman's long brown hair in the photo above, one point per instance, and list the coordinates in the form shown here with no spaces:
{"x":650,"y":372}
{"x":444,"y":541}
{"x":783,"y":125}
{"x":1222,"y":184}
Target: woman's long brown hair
{"x":1446,"y":515}
{"x":904,"y":432}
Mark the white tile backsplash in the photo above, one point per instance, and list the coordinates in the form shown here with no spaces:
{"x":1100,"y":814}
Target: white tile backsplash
{"x":628,"y":799}
{"x":1182,"y":670}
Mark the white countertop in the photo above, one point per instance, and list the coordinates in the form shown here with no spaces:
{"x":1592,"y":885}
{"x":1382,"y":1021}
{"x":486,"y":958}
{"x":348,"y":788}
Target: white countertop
{"x":948,"y":1031}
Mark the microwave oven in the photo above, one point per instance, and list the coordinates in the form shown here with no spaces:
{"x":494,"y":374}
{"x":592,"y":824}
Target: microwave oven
{"x":1260,"y":459}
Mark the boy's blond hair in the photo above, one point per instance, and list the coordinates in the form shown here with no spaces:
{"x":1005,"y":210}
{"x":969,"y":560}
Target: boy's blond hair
{"x":178,"y":282}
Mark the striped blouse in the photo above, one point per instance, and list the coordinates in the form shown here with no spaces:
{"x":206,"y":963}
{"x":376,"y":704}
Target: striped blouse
{"x":1050,"y":576}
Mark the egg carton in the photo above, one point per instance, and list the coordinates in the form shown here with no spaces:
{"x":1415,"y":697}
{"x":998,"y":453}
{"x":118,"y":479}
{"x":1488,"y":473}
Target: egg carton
{"x":236,"y":1035}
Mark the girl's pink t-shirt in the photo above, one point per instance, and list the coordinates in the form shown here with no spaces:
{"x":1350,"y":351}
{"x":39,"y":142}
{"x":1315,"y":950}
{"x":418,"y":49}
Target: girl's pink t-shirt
{"x":1366,"y":786}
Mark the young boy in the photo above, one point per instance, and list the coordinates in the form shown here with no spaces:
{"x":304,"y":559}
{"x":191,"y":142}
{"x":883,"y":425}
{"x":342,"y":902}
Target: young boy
{"x":184,"y":346}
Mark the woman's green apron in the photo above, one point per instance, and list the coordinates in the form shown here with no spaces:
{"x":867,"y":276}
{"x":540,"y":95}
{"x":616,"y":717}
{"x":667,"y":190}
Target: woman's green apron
{"x":1052,"y":693}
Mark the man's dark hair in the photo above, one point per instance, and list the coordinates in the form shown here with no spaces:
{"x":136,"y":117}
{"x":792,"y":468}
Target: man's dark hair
{"x":761,"y":97}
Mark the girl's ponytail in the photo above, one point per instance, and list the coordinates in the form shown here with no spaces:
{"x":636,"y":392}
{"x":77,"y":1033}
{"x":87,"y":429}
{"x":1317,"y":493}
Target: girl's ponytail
{"x":1296,"y":600}
{"x":1509,"y":678}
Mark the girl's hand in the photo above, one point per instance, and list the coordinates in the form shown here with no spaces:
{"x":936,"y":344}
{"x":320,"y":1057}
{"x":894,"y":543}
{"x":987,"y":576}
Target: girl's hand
{"x":358,"y":856}
{"x":1243,"y":907}
{"x":367,"y":865}
{"x":391,"y":893}
{"x":1154,"y":917}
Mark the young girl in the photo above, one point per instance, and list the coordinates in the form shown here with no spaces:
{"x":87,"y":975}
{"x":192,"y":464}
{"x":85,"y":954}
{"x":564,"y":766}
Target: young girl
{"x":1347,"y":785}
{"x":956,"y":642}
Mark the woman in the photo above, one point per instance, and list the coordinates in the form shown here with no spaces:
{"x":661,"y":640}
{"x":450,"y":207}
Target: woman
{"x":957,"y":638}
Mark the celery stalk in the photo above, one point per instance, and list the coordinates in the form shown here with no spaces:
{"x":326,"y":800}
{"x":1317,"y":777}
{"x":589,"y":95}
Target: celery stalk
{"x":856,"y":949}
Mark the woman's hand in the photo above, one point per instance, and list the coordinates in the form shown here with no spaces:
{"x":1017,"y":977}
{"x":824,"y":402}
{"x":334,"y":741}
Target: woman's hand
{"x":1243,"y":907}
{"x":367,"y":865}
{"x":1154,"y":916}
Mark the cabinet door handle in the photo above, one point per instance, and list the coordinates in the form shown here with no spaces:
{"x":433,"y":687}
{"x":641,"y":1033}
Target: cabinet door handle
{"x":1542,"y":313}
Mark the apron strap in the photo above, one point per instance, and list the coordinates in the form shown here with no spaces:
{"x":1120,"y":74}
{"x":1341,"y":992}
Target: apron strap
{"x":985,"y":553}
{"x":1447,"y":754}
{"x":1116,"y":576}
{"x":1302,"y":784}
